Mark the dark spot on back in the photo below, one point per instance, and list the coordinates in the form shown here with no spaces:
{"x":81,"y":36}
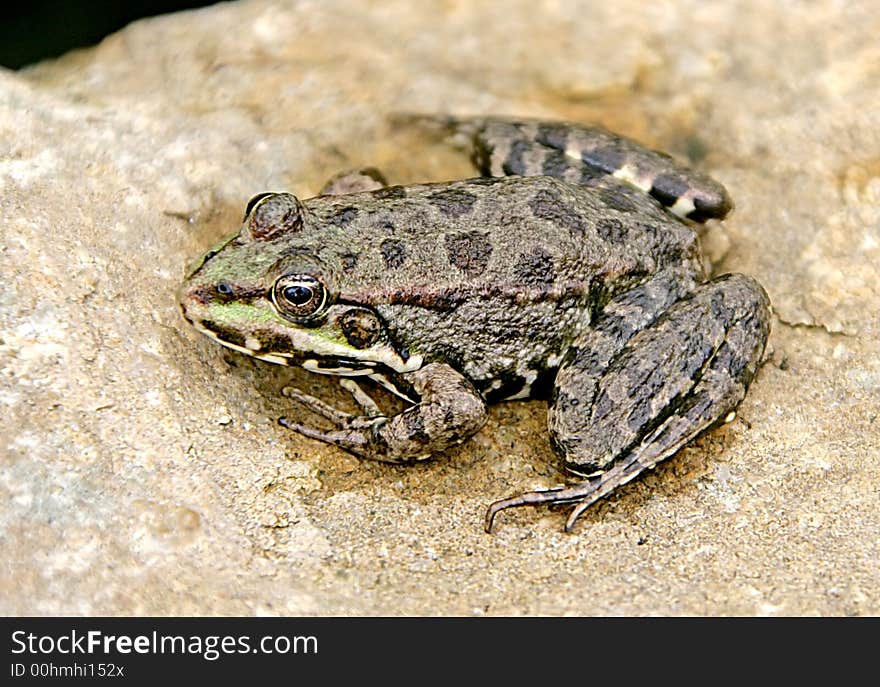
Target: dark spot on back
{"x":617,"y":198}
{"x":393,"y":253}
{"x":453,"y":201}
{"x":469,"y":251}
{"x":666,"y":248}
{"x":390,"y":192}
{"x":349,"y":261}
{"x":550,"y":206}
{"x":342,"y":217}
{"x":612,"y":230}
{"x":534,"y":268}
{"x":720,"y":310}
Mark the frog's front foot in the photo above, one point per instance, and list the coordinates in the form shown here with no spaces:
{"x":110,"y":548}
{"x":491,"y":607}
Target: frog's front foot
{"x":450,"y":411}
{"x":356,"y":433}
{"x":615,"y":413}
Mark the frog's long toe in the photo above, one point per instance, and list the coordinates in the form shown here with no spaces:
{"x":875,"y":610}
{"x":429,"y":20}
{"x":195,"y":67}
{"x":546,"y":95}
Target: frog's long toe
{"x":529,"y":498}
{"x":585,"y":494}
{"x":316,"y":405}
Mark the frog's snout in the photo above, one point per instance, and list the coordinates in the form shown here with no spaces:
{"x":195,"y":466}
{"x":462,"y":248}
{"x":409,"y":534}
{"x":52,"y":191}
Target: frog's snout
{"x":192,"y":303}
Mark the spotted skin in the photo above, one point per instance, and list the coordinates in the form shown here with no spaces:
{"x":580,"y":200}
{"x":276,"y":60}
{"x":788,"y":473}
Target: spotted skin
{"x":641,"y":398}
{"x":567,"y":273}
{"x":585,"y":155}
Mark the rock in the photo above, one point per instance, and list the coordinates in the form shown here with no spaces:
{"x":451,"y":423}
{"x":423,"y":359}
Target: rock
{"x":142,"y":468}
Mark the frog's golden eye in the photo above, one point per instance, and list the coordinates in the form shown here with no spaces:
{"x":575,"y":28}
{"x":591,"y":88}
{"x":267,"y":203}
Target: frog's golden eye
{"x":299,"y":296}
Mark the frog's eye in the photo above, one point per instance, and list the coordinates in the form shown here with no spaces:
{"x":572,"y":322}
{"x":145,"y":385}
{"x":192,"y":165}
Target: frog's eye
{"x":269,"y":215}
{"x":299,"y":296}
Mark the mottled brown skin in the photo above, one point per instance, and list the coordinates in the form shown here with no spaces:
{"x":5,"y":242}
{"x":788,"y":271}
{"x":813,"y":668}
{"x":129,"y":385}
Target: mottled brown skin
{"x":567,"y":284}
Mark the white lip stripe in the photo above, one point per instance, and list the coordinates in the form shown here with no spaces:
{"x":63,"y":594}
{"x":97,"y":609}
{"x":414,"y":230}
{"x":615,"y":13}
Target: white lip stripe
{"x":314,"y":366}
{"x":302,"y":341}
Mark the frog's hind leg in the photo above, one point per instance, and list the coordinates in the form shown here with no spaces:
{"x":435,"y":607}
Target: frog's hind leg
{"x":584,"y":155}
{"x":614,"y":417}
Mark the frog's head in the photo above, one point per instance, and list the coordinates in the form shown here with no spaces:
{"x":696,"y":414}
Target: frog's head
{"x":271,"y":291}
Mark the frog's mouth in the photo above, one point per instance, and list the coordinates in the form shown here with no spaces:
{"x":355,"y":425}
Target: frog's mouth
{"x":378,"y":370}
{"x":307,"y":349}
{"x":253,"y":327}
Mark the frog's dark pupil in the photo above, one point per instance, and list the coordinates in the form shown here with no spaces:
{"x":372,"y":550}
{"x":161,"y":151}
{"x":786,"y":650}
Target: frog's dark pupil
{"x":224,"y":289}
{"x":298,"y":295}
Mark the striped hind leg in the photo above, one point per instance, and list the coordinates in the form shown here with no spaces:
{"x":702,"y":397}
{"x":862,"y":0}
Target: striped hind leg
{"x":612,"y":418}
{"x":588,"y":155}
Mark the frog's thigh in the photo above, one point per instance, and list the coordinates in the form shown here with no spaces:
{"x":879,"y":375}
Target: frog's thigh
{"x":354,"y":181}
{"x":671,"y":381}
{"x":581,"y":154}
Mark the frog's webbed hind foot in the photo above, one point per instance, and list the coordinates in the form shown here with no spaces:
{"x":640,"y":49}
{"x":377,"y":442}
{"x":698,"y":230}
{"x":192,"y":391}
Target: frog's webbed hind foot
{"x":584,"y":494}
{"x":682,"y":374}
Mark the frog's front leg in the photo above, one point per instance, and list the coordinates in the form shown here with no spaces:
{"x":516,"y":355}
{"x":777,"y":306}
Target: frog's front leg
{"x":611,"y":417}
{"x":449,"y":411}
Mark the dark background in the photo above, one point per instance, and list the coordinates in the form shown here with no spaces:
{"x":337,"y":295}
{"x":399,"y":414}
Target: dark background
{"x":33,"y":31}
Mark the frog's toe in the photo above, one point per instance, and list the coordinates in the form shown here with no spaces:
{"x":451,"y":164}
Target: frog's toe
{"x":316,"y":405}
{"x":369,"y":407}
{"x":359,"y":436}
{"x":530,"y":498}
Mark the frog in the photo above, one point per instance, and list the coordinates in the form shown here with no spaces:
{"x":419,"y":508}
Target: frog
{"x":568,"y":270}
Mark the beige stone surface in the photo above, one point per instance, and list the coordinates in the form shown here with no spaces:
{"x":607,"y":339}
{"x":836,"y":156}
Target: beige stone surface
{"x":142,"y":471}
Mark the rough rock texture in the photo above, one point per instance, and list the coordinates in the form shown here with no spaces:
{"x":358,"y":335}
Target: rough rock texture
{"x":142,"y":470}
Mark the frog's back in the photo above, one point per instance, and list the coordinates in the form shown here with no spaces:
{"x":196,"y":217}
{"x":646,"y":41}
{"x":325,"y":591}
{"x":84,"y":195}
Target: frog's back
{"x":494,"y":276}
{"x":539,"y":236}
